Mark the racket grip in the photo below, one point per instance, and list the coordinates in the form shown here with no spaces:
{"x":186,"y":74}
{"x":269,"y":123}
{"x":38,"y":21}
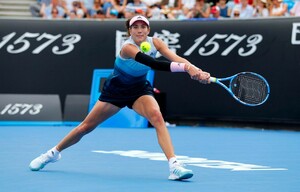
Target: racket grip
{"x":213,"y":79}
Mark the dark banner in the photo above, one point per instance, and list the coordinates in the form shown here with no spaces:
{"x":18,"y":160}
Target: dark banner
{"x":58,"y":57}
{"x":25,"y":107}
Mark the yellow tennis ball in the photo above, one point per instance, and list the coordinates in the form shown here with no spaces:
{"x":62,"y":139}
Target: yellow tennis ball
{"x":145,"y":47}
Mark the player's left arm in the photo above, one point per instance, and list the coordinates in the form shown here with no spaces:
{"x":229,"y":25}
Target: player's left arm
{"x":167,"y":53}
{"x":191,"y":69}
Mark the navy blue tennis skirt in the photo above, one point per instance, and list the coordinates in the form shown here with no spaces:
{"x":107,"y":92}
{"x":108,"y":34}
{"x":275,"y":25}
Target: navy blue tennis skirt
{"x":122,"y":94}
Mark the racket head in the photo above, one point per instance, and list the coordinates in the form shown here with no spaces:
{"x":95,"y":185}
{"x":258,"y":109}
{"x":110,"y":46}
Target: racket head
{"x":249,"y":88}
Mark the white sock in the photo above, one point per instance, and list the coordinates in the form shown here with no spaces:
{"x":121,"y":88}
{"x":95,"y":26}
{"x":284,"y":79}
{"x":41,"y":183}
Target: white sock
{"x":54,"y":151}
{"x":172,"y":161}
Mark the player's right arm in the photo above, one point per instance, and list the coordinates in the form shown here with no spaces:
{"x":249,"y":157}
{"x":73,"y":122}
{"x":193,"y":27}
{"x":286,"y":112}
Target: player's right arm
{"x":131,"y":51}
{"x":192,"y":70}
{"x":179,"y":64}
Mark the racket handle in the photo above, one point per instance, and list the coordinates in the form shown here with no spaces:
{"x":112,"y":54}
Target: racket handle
{"x":213,"y":79}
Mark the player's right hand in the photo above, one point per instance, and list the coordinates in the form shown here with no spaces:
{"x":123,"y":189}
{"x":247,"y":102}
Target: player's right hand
{"x":199,"y":75}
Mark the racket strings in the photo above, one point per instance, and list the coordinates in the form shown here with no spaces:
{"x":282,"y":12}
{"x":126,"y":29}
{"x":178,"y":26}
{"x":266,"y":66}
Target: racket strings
{"x":249,"y":88}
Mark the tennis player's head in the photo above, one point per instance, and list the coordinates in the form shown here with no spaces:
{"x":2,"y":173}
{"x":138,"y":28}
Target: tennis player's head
{"x":137,"y":21}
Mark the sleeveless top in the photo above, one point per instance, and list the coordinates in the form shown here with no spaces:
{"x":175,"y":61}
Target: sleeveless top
{"x":129,"y":71}
{"x":224,"y":12}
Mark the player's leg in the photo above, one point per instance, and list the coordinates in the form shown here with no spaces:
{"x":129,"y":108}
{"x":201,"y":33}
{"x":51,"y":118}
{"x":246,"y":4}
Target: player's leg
{"x":148,"y":107}
{"x":100,"y":112}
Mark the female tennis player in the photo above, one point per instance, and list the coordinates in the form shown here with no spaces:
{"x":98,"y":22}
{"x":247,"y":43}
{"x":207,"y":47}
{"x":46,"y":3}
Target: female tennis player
{"x":127,"y":86}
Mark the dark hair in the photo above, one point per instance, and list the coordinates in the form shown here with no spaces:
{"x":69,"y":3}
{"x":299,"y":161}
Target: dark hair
{"x":54,"y":10}
{"x":76,"y":3}
{"x":127,"y":26}
{"x":127,"y":23}
{"x":100,"y":12}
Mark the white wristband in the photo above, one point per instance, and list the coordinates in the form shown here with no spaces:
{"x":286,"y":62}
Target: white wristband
{"x":177,"y":67}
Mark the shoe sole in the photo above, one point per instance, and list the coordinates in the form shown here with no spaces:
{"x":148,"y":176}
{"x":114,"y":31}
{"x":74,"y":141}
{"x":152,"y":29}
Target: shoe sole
{"x":185,"y":176}
{"x":36,"y":169}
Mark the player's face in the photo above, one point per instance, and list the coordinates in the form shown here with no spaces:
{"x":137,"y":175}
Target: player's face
{"x":139,"y":31}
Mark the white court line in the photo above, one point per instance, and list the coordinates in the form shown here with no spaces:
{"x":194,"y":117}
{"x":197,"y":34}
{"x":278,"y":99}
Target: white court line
{"x":193,"y":161}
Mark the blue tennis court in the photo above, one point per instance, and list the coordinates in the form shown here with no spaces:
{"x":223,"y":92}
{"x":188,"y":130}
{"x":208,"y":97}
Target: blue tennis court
{"x":130,"y":159}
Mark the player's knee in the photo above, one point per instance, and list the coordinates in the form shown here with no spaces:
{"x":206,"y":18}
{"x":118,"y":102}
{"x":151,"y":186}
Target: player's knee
{"x":156,"y":116}
{"x":84,"y":128}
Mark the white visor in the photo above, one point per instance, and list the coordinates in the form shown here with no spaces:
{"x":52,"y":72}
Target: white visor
{"x":138,"y":18}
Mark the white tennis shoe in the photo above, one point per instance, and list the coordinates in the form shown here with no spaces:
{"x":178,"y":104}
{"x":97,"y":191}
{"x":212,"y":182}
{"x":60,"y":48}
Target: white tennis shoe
{"x":178,"y":172}
{"x":41,"y":161}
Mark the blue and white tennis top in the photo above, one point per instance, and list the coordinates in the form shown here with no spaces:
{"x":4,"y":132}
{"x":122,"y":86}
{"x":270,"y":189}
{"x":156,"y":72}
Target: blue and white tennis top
{"x":131,"y":69}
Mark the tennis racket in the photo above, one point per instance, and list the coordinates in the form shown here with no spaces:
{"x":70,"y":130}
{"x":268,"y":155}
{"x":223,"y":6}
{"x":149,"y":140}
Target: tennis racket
{"x":248,"y":88}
